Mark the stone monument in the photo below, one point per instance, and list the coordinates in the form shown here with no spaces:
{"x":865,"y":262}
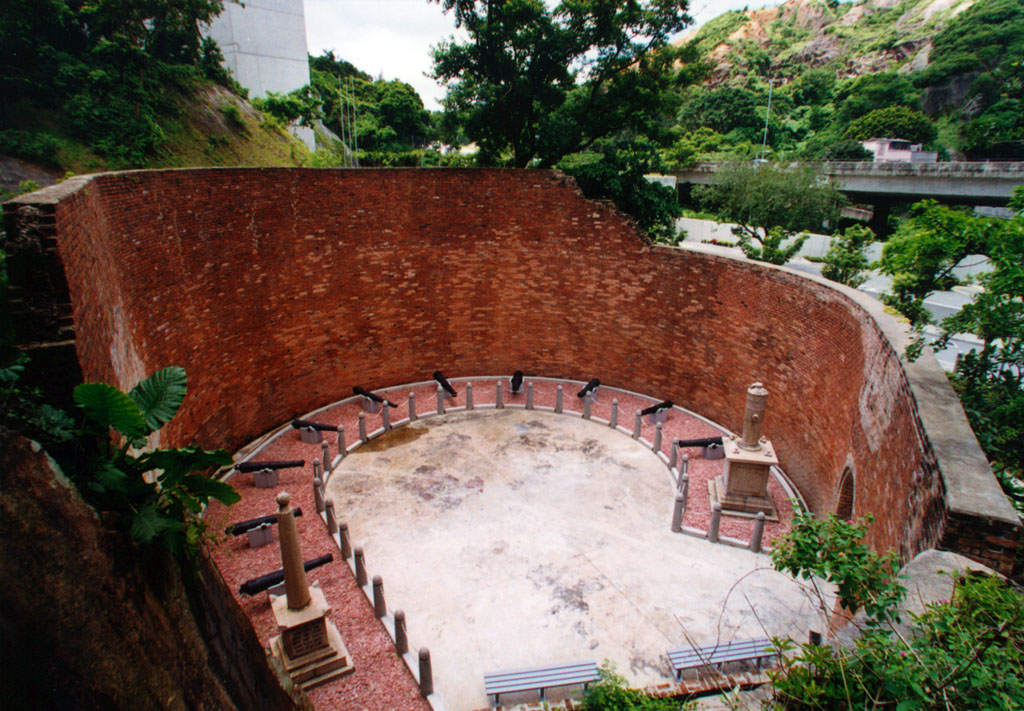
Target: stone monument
{"x":743,"y":488}
{"x":309,"y":647}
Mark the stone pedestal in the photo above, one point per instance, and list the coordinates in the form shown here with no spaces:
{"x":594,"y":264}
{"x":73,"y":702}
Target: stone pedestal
{"x":743,"y":488}
{"x":310,"y":647}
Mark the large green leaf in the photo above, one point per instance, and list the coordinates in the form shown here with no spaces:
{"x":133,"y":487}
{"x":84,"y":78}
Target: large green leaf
{"x":149,"y":522}
{"x":176,"y":463}
{"x":205,"y":488}
{"x":108,"y":407}
{"x":160,"y":395}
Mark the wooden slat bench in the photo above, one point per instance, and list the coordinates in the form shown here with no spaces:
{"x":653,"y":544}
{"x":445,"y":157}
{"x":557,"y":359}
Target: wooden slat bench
{"x":540,"y":678}
{"x":721,"y":653}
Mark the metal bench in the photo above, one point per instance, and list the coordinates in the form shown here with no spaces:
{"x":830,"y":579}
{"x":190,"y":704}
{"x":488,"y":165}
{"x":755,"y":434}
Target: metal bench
{"x":540,"y":678}
{"x":721,"y":653}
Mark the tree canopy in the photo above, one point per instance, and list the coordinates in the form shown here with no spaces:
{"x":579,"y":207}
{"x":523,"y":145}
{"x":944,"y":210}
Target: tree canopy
{"x":102,"y":67}
{"x":770,"y":204}
{"x":536,"y":84}
{"x":921,"y":258}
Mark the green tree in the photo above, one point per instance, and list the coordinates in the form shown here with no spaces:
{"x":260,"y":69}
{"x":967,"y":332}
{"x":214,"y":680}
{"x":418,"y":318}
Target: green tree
{"x":845,"y":261}
{"x":617,"y":174}
{"x":893,"y":122}
{"x":857,"y":97}
{"x":536,"y":84}
{"x":920,"y":258}
{"x":847,"y":149}
{"x":770,"y":205}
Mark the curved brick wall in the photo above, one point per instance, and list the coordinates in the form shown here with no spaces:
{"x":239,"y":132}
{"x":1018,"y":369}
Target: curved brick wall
{"x":280,"y":289}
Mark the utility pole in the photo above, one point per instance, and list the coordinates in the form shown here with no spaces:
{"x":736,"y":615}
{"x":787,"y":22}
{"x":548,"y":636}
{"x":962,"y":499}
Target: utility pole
{"x":764,"y":140}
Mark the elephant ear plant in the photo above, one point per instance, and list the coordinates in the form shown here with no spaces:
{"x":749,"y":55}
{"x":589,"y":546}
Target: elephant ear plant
{"x":157,"y":494}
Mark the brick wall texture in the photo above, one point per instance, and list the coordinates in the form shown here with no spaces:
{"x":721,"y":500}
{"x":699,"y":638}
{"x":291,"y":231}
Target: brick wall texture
{"x":280,"y":289}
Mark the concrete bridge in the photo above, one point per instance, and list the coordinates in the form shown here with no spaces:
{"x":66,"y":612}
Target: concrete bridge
{"x":964,"y":183}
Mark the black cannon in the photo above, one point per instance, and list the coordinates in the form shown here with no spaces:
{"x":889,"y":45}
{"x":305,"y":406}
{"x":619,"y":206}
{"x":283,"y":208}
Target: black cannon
{"x":517,"y":381}
{"x":705,"y":442}
{"x":251,"y":587}
{"x":589,"y":388}
{"x":258,"y":466}
{"x":664,"y":405}
{"x":443,"y":382}
{"x":237,"y":529}
{"x":322,"y":427}
{"x":372,"y":396}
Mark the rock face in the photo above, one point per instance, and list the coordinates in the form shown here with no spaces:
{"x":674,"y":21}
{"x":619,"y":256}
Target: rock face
{"x":86,"y":624}
{"x":839,"y":37}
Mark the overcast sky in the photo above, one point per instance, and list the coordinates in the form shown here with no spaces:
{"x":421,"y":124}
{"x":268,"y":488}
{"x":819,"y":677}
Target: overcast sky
{"x":394,"y":37}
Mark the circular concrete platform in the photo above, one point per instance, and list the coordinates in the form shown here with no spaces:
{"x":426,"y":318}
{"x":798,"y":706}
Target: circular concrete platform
{"x":516,"y":538}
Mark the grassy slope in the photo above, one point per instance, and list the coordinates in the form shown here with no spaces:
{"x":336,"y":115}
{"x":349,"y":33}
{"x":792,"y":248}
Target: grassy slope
{"x":204,"y":132}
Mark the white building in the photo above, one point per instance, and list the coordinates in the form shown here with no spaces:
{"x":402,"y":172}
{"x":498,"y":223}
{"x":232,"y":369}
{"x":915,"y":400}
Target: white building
{"x":895,"y":150}
{"x":264,"y":46}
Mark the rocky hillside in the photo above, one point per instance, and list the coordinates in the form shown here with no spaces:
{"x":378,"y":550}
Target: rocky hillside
{"x":948,"y":72}
{"x":852,"y":38}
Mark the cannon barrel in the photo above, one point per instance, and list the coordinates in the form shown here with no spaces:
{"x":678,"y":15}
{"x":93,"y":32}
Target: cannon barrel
{"x":700,"y":442}
{"x":663,"y":405}
{"x":443,"y":382}
{"x":251,"y":587}
{"x":323,"y":427}
{"x":257,"y":466}
{"x":589,"y":388}
{"x":237,"y":529}
{"x":373,"y":396}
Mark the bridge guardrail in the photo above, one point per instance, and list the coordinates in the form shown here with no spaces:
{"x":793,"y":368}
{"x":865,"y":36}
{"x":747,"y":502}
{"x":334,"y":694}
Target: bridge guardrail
{"x":974,"y":169}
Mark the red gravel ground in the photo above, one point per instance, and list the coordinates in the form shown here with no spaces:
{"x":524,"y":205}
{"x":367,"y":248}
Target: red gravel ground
{"x":381,"y":680}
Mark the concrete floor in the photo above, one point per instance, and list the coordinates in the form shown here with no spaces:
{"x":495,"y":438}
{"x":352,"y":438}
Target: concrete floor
{"x":514,"y":538}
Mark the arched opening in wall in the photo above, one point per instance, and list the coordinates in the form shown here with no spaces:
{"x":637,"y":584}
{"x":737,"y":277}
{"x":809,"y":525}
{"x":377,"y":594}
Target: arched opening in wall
{"x":844,"y":506}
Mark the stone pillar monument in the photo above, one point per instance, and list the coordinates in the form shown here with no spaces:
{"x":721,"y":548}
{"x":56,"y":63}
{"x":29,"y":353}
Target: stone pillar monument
{"x":743,"y":488}
{"x":309,"y":647}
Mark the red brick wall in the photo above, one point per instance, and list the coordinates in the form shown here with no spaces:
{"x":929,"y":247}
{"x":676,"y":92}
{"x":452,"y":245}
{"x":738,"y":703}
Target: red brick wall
{"x":280,"y":289}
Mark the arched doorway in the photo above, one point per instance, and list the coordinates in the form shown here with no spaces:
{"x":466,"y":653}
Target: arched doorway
{"x":844,"y":505}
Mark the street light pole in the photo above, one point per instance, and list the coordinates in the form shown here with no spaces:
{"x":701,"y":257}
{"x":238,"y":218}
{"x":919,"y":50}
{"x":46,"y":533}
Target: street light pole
{"x":764,"y":140}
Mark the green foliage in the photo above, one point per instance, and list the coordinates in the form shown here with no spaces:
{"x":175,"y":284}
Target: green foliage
{"x":986,"y":41}
{"x":611,"y":693}
{"x":847,"y":149}
{"x":858,"y":97}
{"x":920,"y":258}
{"x":156,"y":494}
{"x":717,"y":30}
{"x":233,"y":115}
{"x":921,"y":255}
{"x":834,"y":550}
{"x":845,"y":261}
{"x":770,"y":204}
{"x":390,"y":118}
{"x":618,"y":175}
{"x":893,"y":122}
{"x":533,"y":85}
{"x":103,"y":67}
{"x":724,"y":109}
{"x":960,"y":654}
{"x":36,"y":146}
